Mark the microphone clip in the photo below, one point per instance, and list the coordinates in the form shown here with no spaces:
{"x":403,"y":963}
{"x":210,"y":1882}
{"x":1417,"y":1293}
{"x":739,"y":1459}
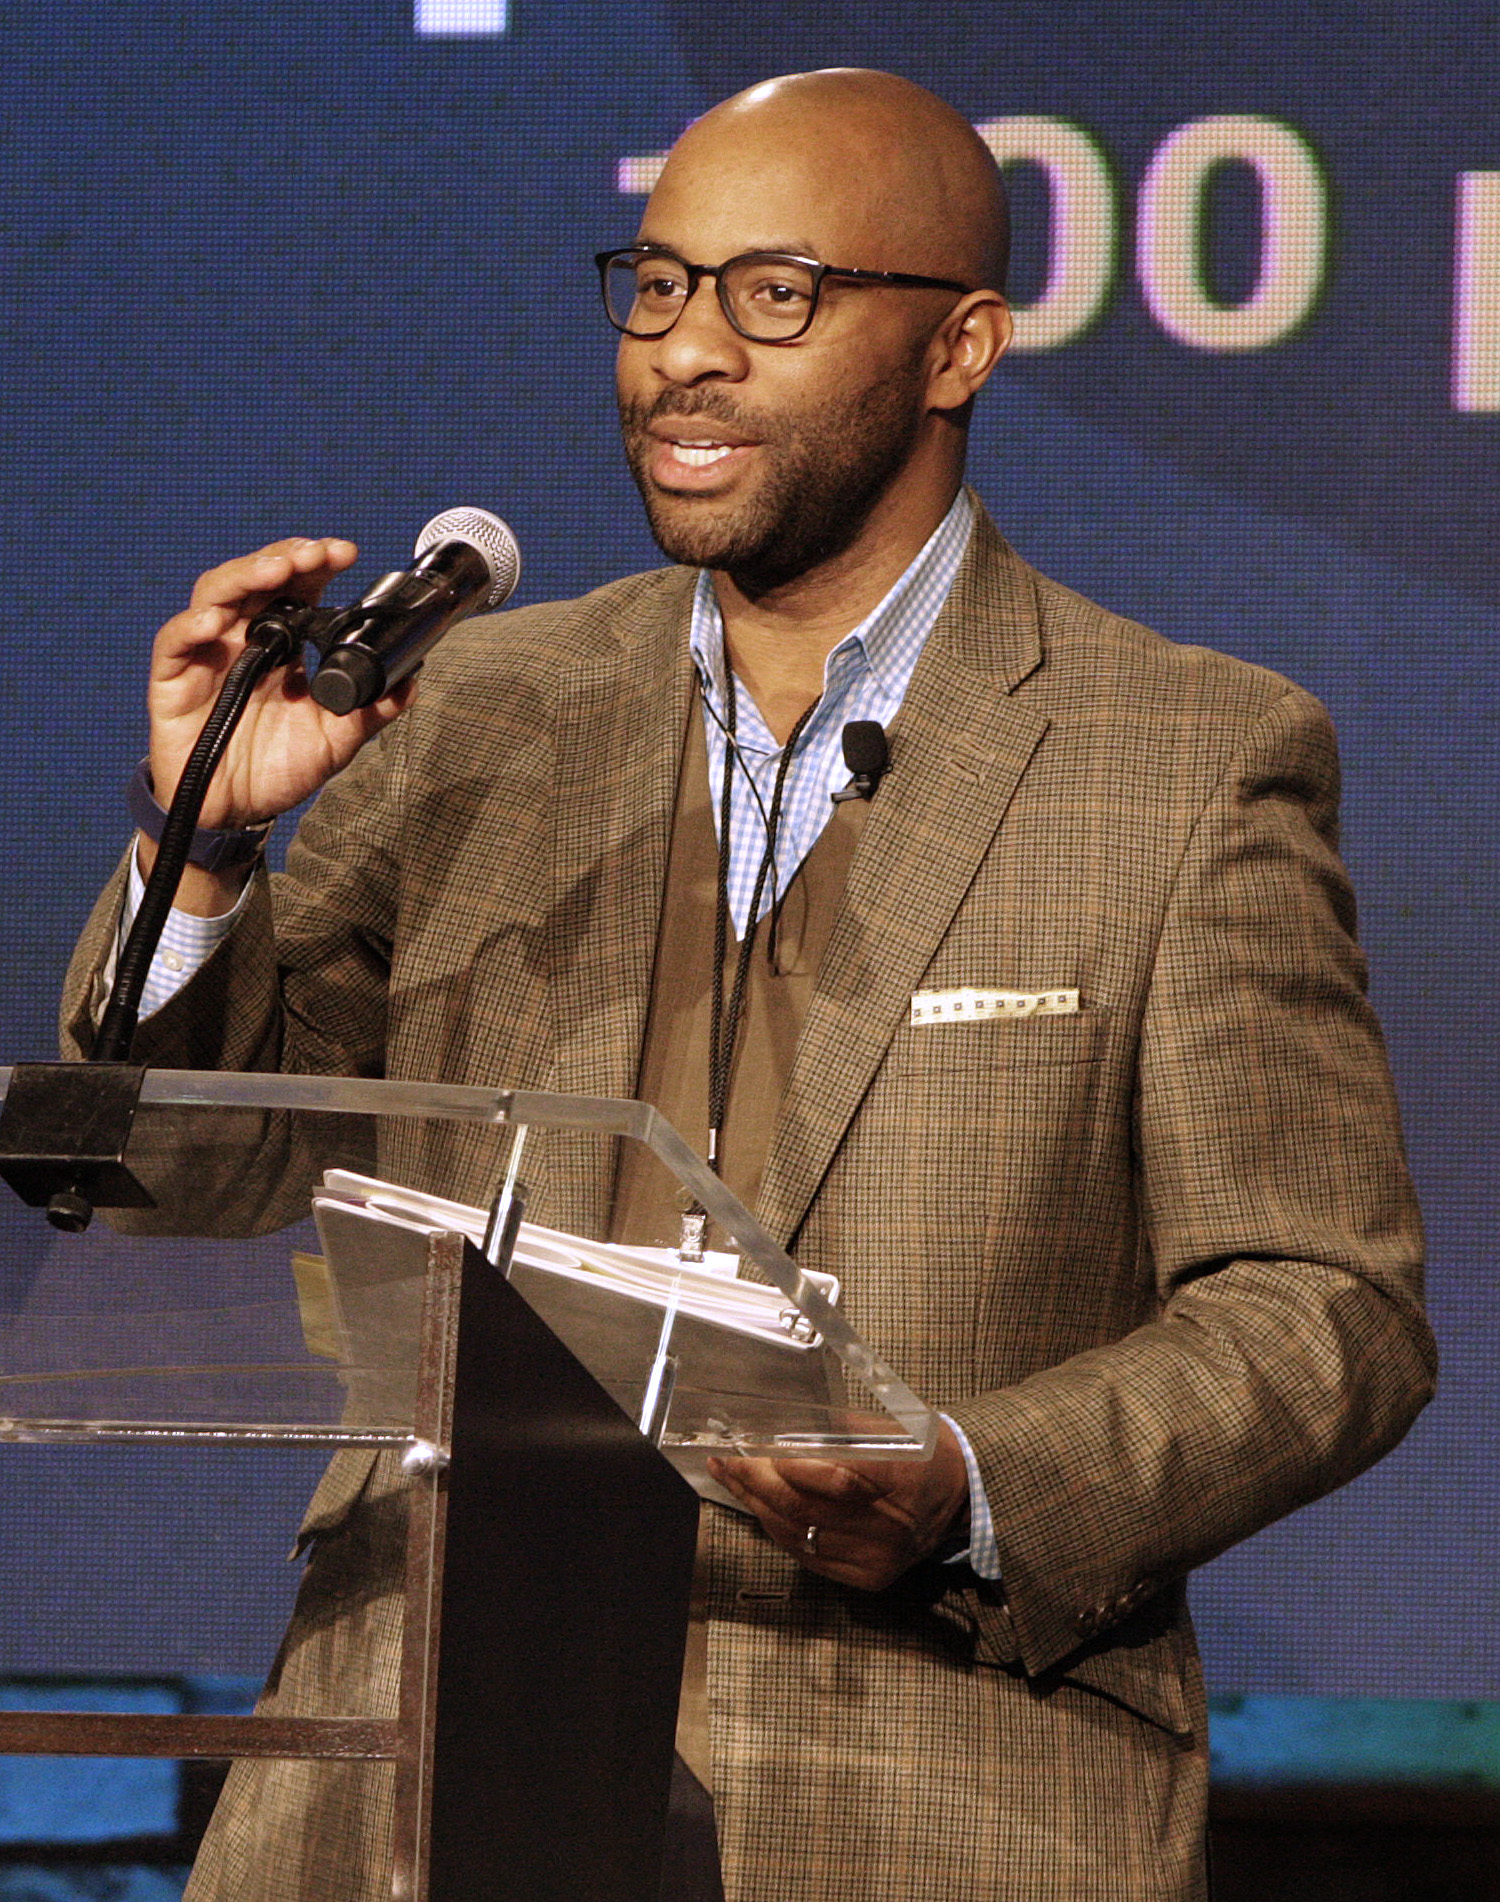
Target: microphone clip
{"x":285,"y":626}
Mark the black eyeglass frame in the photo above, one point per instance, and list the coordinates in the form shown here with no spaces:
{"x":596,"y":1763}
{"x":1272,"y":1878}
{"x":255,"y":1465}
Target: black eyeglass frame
{"x":638,"y":253}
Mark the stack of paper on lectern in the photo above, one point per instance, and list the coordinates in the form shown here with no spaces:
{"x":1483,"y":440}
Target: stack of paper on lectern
{"x":743,"y":1358}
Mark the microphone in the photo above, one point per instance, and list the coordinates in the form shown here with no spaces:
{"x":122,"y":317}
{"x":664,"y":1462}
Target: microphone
{"x":867,"y":754}
{"x":466,"y":560}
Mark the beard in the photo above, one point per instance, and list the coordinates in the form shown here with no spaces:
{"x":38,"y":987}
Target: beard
{"x":824,"y":470}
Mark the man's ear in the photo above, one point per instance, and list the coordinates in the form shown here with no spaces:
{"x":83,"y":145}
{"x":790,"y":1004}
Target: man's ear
{"x":968,"y":344}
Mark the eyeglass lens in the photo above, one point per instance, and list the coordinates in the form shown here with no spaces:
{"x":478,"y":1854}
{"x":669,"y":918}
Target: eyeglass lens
{"x":767,"y":297}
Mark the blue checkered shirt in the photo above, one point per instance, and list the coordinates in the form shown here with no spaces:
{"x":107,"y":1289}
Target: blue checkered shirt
{"x":864,"y":678}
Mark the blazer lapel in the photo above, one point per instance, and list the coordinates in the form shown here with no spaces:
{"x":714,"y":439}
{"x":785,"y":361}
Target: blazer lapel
{"x":958,"y":750}
{"x":619,"y":739}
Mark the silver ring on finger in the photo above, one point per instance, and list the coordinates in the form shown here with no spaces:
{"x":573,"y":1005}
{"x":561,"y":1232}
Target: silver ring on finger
{"x":810,"y":1543}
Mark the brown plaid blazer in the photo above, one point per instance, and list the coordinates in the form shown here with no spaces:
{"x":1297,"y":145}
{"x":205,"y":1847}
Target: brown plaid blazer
{"x":1160,"y":1259}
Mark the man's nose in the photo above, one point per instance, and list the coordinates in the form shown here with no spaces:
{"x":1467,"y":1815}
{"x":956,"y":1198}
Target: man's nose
{"x":702,"y":343}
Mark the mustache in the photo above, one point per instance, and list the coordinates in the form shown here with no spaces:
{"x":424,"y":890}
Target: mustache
{"x":709,"y":405}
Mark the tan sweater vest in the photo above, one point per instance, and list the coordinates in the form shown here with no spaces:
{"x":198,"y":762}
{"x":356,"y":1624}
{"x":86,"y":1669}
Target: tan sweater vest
{"x":673,"y":1071}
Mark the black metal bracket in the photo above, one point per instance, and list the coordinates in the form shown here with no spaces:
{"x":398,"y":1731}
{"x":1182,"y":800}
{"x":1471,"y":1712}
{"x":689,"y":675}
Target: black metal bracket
{"x":63,"y":1132}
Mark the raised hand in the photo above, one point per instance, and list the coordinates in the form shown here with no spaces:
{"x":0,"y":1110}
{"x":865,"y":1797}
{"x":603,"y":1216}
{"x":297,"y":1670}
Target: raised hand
{"x":286,"y":746}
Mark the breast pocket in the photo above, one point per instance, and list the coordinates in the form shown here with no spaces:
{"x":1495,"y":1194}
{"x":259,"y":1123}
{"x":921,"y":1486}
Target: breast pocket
{"x":985,"y":1162}
{"x":976,"y":1104}
{"x":997,"y":1043}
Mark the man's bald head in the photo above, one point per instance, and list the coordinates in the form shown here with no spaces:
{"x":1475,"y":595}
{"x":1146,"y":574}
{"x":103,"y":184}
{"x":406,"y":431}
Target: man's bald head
{"x":839,"y":446}
{"x":909,"y":179}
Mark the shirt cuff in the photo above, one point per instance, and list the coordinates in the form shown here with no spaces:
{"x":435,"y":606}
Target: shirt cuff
{"x":983,"y":1554}
{"x":187,"y":942}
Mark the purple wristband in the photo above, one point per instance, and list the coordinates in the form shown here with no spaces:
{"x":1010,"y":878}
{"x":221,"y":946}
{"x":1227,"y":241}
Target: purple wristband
{"x":212,"y":850}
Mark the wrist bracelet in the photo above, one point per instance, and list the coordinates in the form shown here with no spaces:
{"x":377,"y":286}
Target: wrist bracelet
{"x":213,"y":850}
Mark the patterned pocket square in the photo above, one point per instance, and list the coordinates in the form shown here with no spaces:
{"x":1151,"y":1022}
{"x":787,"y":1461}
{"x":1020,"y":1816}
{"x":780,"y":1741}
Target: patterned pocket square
{"x":965,"y":1005}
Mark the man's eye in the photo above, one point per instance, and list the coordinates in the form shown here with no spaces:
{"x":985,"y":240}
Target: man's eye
{"x":661,"y":288}
{"x":779,"y":292}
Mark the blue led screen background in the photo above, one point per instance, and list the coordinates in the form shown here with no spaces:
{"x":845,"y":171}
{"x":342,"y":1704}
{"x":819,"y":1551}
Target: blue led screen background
{"x":309,"y":268}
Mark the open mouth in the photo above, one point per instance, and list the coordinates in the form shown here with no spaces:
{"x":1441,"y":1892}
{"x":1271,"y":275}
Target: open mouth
{"x":698,"y":455}
{"x":699,"y":462}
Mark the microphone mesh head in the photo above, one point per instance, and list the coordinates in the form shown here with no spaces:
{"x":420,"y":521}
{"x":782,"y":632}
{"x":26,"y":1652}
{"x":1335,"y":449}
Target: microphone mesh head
{"x":484,"y":532}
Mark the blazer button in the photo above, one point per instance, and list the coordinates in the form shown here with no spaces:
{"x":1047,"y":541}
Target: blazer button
{"x":1086,"y":1623}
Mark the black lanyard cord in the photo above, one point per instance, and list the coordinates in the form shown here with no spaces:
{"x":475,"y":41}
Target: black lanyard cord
{"x":725,"y":1024}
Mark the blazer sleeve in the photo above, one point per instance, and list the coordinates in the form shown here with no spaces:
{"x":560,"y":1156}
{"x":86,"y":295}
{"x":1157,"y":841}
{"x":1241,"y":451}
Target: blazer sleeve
{"x":1289,"y":1350}
{"x":299,"y":985}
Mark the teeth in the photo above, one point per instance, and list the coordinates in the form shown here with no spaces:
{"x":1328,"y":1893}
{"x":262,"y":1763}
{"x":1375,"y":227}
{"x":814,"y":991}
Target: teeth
{"x":699,"y":455}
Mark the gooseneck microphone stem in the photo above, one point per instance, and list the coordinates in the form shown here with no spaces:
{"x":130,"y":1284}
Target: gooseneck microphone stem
{"x":271,"y":643}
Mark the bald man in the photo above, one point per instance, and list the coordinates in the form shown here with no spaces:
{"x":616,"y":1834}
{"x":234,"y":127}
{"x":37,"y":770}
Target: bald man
{"x":1135,"y":1216}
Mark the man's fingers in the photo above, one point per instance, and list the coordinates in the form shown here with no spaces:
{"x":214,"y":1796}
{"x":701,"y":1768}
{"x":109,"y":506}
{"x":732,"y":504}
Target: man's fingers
{"x":226,"y":596}
{"x":299,"y":565}
{"x":185,"y":636}
{"x":798,"y":1489}
{"x":782,"y":1512}
{"x":826,"y":1479}
{"x":815,"y":1479}
{"x":868,"y":1554}
{"x":864,"y":1541}
{"x":347,"y":732}
{"x":398,"y":699}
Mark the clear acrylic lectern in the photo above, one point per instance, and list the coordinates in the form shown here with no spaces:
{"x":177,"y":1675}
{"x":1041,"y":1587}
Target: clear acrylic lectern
{"x":537,"y":1394}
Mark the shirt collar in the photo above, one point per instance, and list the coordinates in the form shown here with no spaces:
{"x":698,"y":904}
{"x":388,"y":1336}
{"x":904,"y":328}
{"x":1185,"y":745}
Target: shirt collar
{"x":883,"y":637}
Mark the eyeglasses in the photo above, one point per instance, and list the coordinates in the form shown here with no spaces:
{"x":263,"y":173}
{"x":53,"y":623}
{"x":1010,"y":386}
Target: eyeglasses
{"x":768,"y":296}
